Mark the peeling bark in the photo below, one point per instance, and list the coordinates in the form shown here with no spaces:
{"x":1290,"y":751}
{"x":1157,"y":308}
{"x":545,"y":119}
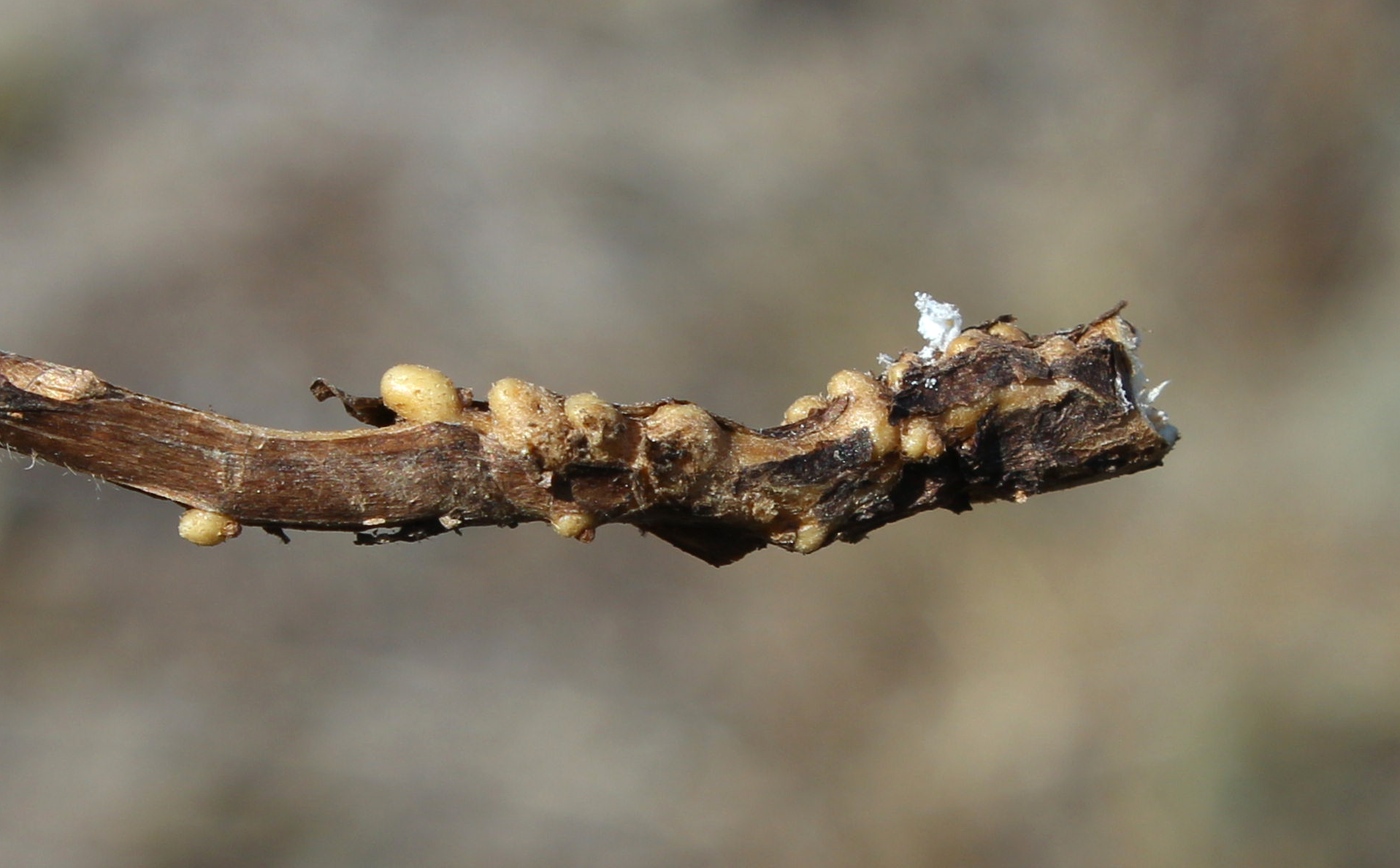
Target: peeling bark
{"x":999,"y":416}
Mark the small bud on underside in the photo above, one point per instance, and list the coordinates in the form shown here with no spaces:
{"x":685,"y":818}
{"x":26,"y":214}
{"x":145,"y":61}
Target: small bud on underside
{"x":205,"y":528}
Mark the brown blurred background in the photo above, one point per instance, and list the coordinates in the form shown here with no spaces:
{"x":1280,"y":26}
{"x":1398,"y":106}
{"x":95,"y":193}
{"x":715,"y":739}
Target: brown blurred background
{"x":217,"y":202}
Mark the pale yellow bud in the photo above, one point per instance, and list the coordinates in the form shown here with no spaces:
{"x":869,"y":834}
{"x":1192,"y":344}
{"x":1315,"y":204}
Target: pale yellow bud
{"x":420,"y":394}
{"x":205,"y":528}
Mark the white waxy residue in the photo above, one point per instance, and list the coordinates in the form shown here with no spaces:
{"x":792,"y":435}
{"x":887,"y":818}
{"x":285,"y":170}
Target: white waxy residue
{"x":939,"y":323}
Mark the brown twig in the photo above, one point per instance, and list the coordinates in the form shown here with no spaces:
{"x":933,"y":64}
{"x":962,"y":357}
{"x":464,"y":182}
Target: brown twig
{"x":998,"y":416}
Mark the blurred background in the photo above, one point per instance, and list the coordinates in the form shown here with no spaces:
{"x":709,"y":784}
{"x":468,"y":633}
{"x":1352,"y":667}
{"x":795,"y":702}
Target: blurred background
{"x":726,"y":201}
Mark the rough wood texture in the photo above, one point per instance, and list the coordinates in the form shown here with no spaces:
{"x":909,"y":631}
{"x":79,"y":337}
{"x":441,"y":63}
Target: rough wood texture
{"x":999,"y":416}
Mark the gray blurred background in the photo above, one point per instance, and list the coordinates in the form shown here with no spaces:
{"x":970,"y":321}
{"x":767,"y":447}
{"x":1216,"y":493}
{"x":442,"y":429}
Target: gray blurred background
{"x":217,"y":202}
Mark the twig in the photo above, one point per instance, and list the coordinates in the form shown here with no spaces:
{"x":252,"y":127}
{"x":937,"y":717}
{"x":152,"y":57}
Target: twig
{"x":997,"y":415}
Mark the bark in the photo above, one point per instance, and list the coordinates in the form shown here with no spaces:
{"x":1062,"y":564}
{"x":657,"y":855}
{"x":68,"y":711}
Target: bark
{"x":999,"y":416}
